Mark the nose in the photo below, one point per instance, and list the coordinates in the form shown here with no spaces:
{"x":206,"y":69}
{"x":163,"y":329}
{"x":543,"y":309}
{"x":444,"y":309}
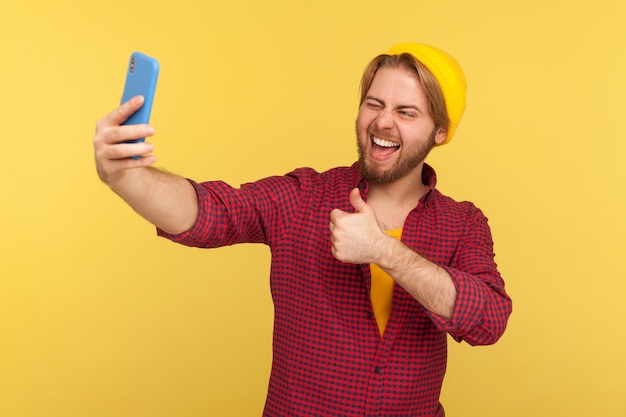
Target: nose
{"x":384,"y":120}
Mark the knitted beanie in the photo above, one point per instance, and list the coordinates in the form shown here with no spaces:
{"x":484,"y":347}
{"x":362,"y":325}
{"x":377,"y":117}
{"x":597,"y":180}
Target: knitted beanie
{"x":448,"y":74}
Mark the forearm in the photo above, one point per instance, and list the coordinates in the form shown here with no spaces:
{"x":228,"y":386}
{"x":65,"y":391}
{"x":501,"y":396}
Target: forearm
{"x":166,"y":200}
{"x":428,"y":283}
{"x":463,"y":294}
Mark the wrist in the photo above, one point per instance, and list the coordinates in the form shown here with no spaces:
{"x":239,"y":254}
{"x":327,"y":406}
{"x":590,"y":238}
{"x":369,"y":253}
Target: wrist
{"x":388,"y":252}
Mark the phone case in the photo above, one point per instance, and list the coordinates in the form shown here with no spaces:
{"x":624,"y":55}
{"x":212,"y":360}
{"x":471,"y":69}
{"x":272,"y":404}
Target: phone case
{"x":141,"y":79}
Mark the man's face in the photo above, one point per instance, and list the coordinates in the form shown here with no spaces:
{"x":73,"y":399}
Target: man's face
{"x":395,"y":130}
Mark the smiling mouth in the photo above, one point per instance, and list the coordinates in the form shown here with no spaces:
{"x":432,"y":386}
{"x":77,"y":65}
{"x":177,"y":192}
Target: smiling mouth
{"x":384,"y":143}
{"x":382,"y":147}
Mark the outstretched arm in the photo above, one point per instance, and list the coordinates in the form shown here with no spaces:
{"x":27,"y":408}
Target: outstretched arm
{"x":166,"y":200}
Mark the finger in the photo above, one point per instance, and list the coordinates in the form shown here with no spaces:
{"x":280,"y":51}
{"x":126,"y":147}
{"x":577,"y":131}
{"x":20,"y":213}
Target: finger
{"x":110,"y":168}
{"x":120,"y":114}
{"x":127,"y":150}
{"x":129,"y":163}
{"x":335,"y":214}
{"x":124,"y":133}
{"x":357,"y":202}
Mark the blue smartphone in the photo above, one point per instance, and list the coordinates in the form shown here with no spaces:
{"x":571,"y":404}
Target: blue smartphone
{"x":141,"y":79}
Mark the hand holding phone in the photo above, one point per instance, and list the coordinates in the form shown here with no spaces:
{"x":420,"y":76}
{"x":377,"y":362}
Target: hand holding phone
{"x":141,"y":78}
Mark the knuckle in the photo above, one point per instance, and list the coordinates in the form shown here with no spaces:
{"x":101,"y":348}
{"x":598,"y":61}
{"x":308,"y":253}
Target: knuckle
{"x":115,"y":135}
{"x":99,"y":125}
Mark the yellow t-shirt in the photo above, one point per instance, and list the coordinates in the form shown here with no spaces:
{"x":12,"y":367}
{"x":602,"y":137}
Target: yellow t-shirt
{"x":381,"y":292}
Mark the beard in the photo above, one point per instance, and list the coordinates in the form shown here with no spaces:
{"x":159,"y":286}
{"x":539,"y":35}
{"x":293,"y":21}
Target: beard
{"x":409,"y":159}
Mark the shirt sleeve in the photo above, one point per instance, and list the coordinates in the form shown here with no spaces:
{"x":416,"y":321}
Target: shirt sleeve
{"x":482,"y":306}
{"x":253,"y":213}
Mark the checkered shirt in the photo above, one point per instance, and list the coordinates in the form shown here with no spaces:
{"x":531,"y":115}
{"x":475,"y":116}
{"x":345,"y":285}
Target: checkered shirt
{"x":328,"y":356}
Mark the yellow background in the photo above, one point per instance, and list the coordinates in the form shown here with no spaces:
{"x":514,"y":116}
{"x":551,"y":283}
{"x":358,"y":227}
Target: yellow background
{"x":98,"y":317}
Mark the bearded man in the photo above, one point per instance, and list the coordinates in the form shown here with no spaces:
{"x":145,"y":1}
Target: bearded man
{"x":372,"y":267}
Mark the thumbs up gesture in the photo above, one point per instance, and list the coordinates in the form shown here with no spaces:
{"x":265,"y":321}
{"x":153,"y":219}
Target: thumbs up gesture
{"x":356,"y":237}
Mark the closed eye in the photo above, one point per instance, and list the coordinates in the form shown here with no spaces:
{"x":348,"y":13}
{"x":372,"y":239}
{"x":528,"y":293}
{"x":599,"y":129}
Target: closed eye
{"x":373,"y":104}
{"x":407,"y":114}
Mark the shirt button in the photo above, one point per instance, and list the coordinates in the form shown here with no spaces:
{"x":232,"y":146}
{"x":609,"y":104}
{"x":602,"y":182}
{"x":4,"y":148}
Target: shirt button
{"x":377,"y":370}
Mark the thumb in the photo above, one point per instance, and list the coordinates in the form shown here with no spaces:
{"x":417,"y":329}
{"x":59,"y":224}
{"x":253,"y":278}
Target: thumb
{"x":357,"y":202}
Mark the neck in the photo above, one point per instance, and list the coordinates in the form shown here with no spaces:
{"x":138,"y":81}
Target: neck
{"x":404,"y":192}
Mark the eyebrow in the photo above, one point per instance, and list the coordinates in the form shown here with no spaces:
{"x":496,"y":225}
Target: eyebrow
{"x":400,"y":107}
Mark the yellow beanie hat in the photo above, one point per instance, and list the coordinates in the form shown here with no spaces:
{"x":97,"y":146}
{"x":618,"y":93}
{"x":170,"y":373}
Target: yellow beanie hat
{"x":447,"y":72}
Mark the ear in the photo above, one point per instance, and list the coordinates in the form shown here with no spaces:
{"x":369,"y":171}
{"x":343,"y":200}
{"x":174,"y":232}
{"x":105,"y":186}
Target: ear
{"x":440,"y":137}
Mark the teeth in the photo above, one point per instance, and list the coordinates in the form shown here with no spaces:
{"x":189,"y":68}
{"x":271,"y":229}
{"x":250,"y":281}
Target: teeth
{"x":385,"y":143}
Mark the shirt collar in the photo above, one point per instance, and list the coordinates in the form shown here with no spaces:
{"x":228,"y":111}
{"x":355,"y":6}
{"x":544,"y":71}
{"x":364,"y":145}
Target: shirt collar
{"x":429,"y":178}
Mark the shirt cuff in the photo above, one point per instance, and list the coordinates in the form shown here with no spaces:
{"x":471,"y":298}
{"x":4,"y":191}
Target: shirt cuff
{"x":467,"y":313}
{"x":191,"y":236}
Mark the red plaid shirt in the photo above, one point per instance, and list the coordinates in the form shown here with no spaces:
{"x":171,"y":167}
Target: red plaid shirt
{"x":328,"y":356}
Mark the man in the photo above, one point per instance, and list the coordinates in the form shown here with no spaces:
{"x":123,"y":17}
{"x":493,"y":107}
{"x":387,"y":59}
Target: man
{"x":371,"y":265}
